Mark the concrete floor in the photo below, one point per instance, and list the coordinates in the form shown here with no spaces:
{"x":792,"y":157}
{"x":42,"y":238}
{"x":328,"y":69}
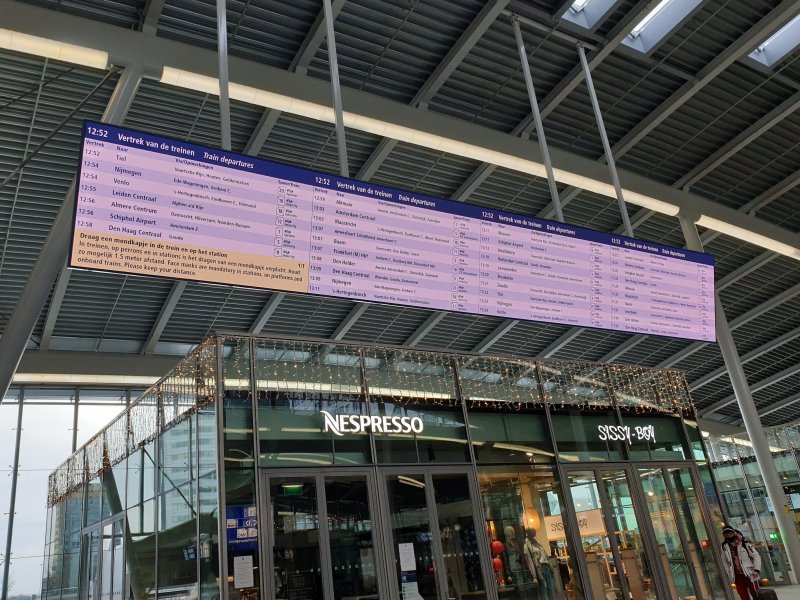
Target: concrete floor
{"x":788,"y":592}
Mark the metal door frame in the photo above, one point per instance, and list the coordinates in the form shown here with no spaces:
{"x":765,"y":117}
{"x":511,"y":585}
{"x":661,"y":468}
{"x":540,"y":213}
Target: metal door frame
{"x":86,"y":535}
{"x":482,"y":538}
{"x":319,"y":476}
{"x":382,"y":533}
{"x":642,"y":516}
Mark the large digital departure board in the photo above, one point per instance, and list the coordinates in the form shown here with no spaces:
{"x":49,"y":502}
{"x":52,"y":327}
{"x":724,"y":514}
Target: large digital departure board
{"x":154,"y":206}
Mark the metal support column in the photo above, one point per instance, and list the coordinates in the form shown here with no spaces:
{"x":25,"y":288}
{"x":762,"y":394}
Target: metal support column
{"x":51,"y":257}
{"x":537,"y":117}
{"x":751,"y":420}
{"x":75,"y":420}
{"x":333,"y":64}
{"x":612,"y":166}
{"x":222,"y":55}
{"x":13,"y":501}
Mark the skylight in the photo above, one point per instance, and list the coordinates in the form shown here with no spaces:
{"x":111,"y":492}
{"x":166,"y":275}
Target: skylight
{"x":779,"y":44}
{"x":640,"y":26}
{"x":588,"y":13}
{"x":579,"y":5}
{"x":657,"y":24}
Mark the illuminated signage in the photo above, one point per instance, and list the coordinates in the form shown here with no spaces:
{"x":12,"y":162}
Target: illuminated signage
{"x":622,"y":433}
{"x":341,"y":424}
{"x":152,"y":206}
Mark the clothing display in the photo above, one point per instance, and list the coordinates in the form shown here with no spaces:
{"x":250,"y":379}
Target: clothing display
{"x":541,"y":570}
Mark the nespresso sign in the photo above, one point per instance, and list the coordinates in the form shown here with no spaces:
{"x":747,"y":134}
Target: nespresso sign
{"x":341,"y":424}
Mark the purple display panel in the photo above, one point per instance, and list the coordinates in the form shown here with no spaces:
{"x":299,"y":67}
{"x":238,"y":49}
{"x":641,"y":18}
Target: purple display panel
{"x":148,"y":205}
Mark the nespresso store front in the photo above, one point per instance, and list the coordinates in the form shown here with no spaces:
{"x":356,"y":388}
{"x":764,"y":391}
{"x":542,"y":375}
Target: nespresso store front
{"x":355,"y":472}
{"x":391,"y":473}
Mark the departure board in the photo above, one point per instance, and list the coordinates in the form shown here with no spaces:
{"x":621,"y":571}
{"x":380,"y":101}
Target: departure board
{"x":153,"y":206}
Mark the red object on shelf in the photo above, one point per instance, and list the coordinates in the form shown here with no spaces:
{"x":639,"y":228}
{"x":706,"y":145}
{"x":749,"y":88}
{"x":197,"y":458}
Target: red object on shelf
{"x":497,"y":565}
{"x":497,"y":547}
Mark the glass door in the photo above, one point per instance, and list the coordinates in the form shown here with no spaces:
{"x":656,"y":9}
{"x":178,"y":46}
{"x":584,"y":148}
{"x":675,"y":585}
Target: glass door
{"x":644,"y":533}
{"x":375,"y":534}
{"x":103,"y":573}
{"x":616,"y":562}
{"x":321,"y":535}
{"x":439,"y":550}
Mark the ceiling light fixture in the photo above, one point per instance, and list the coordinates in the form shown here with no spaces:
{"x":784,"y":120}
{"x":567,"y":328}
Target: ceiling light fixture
{"x":79,"y":379}
{"x":748,"y":236}
{"x":319,"y":112}
{"x":39,"y":46}
{"x":636,"y":31}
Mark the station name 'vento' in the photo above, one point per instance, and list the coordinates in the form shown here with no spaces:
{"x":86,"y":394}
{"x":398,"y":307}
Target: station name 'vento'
{"x":341,"y":424}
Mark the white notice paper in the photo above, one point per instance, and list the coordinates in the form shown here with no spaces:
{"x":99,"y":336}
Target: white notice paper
{"x":408,"y":561}
{"x":242,"y":572}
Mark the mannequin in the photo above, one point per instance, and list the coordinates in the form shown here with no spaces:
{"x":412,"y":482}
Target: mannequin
{"x":538,"y":561}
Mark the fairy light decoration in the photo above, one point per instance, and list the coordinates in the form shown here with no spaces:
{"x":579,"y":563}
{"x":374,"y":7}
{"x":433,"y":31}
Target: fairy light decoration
{"x":308,"y":374}
{"x":498,"y":383}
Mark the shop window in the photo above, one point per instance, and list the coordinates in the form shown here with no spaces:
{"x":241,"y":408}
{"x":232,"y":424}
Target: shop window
{"x":177,"y":455}
{"x":141,"y":549}
{"x":141,"y":475}
{"x":298,"y":383}
{"x":510,"y":438}
{"x":94,"y":500}
{"x":240,"y":465}
{"x":435,"y":433}
{"x":695,"y":440}
{"x":208,"y":505}
{"x":656,"y":437}
{"x":292,"y":430}
{"x":583,"y":436}
{"x":177,"y":542}
{"x":527,"y":530}
{"x":114,"y":486}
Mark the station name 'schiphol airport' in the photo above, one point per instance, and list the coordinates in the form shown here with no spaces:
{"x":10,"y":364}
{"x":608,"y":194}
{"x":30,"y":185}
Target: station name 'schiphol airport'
{"x":430,"y":300}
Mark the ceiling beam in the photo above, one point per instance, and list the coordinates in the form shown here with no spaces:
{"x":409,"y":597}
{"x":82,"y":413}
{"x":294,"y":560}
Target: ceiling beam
{"x":768,"y":410}
{"x":741,"y":46}
{"x":561,"y":8}
{"x":266,"y":313}
{"x":302,"y":58}
{"x":55,"y":307}
{"x":432,"y":321}
{"x":526,"y":126}
{"x":498,"y":332}
{"x":722,"y":61}
{"x":349,"y":321}
{"x":755,"y":387}
{"x":151,"y":15}
{"x":482,"y":21}
{"x":739,"y":321}
{"x":746,"y":269}
{"x":745,"y":137}
{"x":373,"y":114}
{"x":772,"y":194}
{"x":628,"y":344}
{"x":50,"y":259}
{"x":261,"y":132}
{"x":314,"y":37}
{"x":773,"y":344}
{"x":561,"y":342}
{"x":163,"y":316}
{"x":557,"y":95}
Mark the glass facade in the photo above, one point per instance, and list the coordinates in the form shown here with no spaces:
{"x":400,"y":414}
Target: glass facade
{"x":286,"y":469}
{"x":744,"y":500}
